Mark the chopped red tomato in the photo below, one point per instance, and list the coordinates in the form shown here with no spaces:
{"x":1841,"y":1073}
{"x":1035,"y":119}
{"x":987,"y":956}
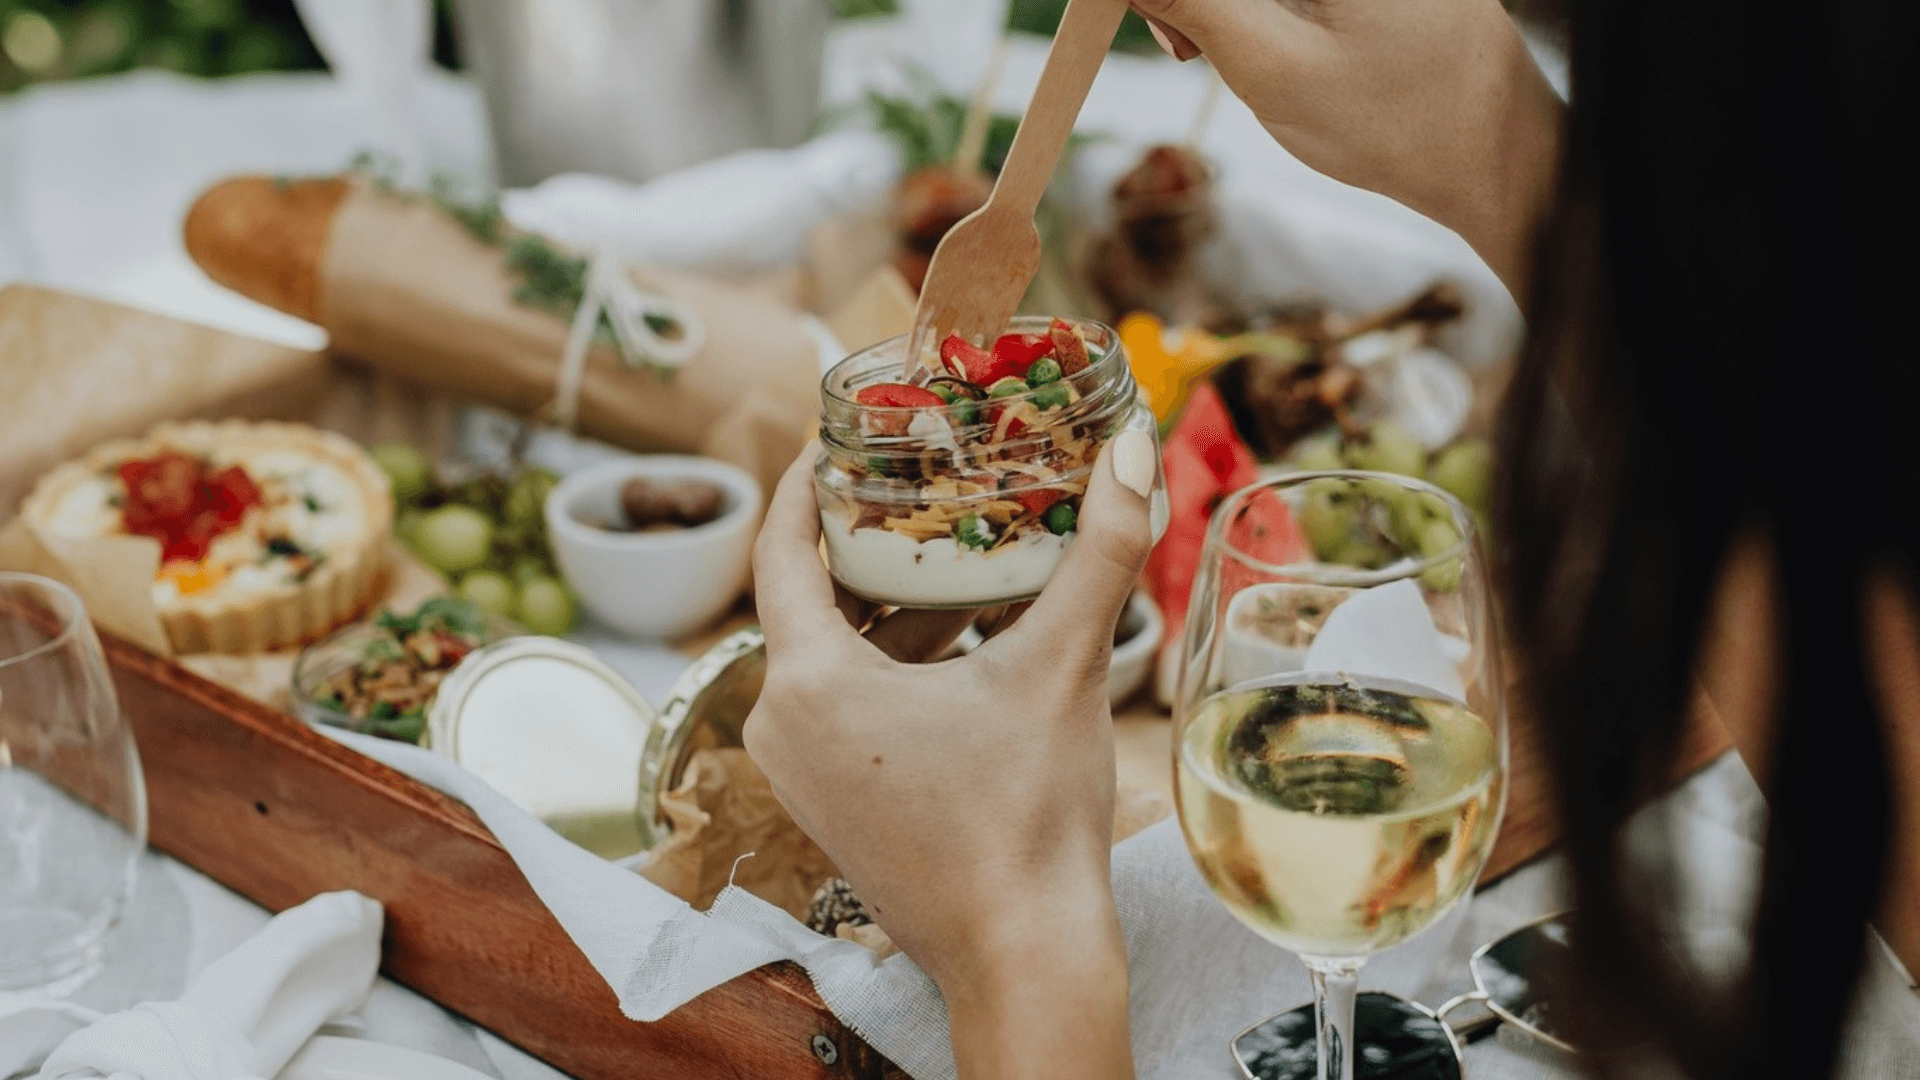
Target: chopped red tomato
{"x":895,"y":396}
{"x":1069,"y":348}
{"x":898,"y":396}
{"x":172,"y":498}
{"x":230,"y":492}
{"x":967,"y":361}
{"x":1039,"y":502}
{"x":160,"y":488}
{"x":1013,"y":354}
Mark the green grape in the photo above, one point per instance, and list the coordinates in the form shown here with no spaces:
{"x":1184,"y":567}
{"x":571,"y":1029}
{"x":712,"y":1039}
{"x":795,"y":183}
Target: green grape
{"x":1044,"y":370}
{"x":528,"y":567}
{"x":490,"y":591}
{"x":545,"y":607}
{"x":406,"y":468}
{"x":1465,"y":470}
{"x":1439,"y":536}
{"x":527,"y":497}
{"x":453,"y":539}
{"x":1362,"y":554}
{"x":1389,"y":449}
{"x":407,"y":525}
{"x":1328,"y":521}
{"x":1317,"y":455}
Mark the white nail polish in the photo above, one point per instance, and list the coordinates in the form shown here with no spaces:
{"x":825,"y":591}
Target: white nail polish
{"x":1133,"y":461}
{"x":1160,"y":36}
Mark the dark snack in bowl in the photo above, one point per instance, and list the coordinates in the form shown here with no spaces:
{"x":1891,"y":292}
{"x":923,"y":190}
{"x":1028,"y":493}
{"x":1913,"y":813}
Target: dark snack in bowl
{"x":650,"y":505}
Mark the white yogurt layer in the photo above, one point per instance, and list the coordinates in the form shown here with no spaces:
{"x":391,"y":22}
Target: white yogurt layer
{"x":894,"y":569}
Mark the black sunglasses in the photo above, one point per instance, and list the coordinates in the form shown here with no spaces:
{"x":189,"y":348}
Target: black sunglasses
{"x":1404,"y":1040}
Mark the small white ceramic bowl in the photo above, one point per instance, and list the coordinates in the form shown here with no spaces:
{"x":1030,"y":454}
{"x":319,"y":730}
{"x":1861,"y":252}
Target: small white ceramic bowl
{"x":1132,"y":658}
{"x":656,"y":585}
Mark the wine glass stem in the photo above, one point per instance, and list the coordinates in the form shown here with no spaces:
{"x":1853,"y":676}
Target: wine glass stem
{"x":1335,"y":983}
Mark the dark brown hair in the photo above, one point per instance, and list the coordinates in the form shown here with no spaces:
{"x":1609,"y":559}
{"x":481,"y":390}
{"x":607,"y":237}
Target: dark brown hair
{"x":1721,"y":343}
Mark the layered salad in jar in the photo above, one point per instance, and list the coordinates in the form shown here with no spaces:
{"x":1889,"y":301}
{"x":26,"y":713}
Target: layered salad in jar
{"x":963,"y":488}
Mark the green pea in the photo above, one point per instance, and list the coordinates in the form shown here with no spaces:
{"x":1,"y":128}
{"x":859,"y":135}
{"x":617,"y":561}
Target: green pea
{"x":1051,"y":396}
{"x":1008,"y":387}
{"x":973,"y":531}
{"x":960,"y":407}
{"x":1060,"y":519}
{"x":1044,"y":370}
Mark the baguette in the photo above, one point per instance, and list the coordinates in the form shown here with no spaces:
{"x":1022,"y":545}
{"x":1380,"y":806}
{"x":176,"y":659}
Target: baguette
{"x":266,"y":238}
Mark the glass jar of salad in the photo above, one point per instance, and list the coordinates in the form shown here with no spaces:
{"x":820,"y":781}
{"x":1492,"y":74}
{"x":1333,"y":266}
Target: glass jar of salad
{"x":964,"y":490}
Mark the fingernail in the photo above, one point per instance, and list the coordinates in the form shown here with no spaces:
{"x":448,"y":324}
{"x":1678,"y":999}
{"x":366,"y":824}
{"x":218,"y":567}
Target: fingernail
{"x":1133,"y":461}
{"x":1160,"y":36}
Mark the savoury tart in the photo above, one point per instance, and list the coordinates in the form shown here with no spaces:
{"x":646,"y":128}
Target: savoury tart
{"x":270,"y":534}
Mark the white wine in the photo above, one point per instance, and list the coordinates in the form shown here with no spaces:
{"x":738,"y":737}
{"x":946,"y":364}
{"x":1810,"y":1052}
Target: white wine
{"x":1337,"y":818}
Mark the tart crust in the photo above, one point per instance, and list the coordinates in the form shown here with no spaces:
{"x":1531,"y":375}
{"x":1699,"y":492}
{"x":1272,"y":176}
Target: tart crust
{"x":285,"y":614}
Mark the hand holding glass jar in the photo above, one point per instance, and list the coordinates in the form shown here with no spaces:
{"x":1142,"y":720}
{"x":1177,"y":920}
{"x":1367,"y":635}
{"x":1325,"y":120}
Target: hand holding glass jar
{"x":965,"y":492}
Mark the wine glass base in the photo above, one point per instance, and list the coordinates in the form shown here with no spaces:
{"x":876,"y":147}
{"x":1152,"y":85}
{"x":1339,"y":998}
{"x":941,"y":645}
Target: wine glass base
{"x":48,"y":952}
{"x":1398,"y":1040}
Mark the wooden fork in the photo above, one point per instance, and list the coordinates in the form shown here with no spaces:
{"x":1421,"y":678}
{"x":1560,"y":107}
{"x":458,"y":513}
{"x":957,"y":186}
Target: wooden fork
{"x":985,"y":262}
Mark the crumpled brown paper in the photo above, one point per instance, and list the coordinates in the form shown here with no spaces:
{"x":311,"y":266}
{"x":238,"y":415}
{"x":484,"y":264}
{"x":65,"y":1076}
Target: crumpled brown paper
{"x":408,"y":290}
{"x":724,"y":808}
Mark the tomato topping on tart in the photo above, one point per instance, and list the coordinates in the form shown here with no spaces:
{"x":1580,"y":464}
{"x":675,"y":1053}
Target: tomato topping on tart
{"x":174,"y":498}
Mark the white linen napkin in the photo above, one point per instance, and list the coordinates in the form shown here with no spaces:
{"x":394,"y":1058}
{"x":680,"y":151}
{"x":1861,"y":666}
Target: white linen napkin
{"x":244,"y":1017}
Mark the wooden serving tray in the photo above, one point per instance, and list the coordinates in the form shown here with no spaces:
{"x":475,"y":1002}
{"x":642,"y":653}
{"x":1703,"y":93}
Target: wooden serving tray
{"x":277,"y":812}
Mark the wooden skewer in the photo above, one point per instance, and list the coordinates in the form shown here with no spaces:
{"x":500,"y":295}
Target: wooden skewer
{"x":973,"y":132}
{"x":1209,"y":103}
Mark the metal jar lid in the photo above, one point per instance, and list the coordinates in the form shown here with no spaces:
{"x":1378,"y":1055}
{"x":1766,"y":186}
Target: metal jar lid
{"x":706,"y":709}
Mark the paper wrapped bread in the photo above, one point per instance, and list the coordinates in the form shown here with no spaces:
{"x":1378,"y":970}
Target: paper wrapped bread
{"x":402,"y":287}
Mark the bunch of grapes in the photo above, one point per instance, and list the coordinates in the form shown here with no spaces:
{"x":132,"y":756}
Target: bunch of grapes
{"x":486,"y":534}
{"x":1368,"y":525}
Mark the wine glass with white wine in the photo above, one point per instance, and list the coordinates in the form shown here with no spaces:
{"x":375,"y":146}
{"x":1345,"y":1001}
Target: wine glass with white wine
{"x":1340,"y":749}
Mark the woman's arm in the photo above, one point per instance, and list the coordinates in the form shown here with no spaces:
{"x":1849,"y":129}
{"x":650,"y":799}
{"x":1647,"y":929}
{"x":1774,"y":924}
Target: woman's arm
{"x":1434,"y":103}
{"x":969,"y":802}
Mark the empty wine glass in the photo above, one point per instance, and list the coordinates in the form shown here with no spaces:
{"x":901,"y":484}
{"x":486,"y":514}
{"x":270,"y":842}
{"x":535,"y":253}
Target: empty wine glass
{"x":1340,"y":747}
{"x":73,"y":803}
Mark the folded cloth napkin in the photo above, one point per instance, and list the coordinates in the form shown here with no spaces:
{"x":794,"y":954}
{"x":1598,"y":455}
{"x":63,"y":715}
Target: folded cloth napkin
{"x":749,"y":210}
{"x":242,"y":1018}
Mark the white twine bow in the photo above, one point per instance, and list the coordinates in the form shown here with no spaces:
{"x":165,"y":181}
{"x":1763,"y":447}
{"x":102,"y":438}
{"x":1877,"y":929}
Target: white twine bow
{"x":650,"y":330}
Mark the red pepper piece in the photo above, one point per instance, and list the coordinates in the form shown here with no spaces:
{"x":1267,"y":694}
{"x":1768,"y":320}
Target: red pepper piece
{"x":967,"y":361}
{"x":1069,"y":348}
{"x":899,"y":396}
{"x":1013,"y":354}
{"x":1040,"y":501}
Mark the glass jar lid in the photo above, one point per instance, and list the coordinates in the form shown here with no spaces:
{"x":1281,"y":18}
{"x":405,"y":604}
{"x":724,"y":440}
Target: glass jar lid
{"x":706,"y":709}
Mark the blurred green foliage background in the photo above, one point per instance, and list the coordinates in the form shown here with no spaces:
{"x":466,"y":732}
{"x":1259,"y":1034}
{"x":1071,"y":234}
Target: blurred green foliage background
{"x":47,"y":40}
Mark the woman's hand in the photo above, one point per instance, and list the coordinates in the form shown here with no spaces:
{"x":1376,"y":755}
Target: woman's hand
{"x":969,"y":802}
{"x":1434,"y":103}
